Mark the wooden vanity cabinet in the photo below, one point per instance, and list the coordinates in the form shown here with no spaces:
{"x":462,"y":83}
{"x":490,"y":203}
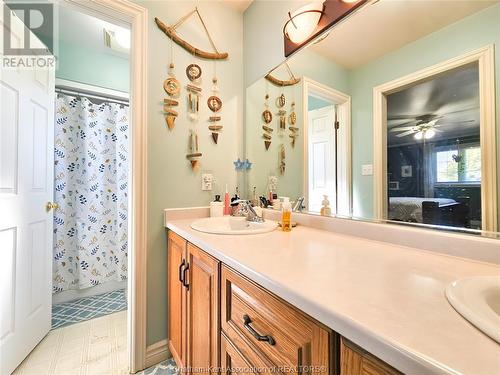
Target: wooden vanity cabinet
{"x":357,"y":361}
{"x":193,"y":308}
{"x":177,"y":316}
{"x":219,"y":318}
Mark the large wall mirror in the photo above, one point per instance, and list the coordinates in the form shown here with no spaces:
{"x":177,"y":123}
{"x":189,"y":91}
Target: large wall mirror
{"x":390,"y":116}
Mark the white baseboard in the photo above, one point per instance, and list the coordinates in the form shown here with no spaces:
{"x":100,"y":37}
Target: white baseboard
{"x":156,"y":353}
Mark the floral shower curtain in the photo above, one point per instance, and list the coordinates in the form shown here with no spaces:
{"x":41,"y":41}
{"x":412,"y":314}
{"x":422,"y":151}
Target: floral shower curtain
{"x":91,"y":176}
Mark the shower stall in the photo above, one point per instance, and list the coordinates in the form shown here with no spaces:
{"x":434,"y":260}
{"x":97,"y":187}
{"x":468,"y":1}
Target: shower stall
{"x":91,"y":185}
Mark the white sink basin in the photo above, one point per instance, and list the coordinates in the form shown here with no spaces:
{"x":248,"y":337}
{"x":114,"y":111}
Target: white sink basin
{"x":477,"y":299}
{"x":232,"y":225}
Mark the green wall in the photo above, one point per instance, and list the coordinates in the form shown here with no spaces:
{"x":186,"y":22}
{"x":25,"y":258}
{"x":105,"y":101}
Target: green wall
{"x":92,"y":67}
{"x":171,"y":181}
{"x":476,"y":31}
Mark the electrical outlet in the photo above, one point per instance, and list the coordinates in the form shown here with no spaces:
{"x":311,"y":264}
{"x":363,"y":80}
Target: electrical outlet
{"x":207,"y":180}
{"x":367,"y":170}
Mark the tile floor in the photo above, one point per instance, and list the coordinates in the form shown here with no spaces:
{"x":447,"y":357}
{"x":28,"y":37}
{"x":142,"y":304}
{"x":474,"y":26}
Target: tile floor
{"x":93,"y":347}
{"x":86,"y":308}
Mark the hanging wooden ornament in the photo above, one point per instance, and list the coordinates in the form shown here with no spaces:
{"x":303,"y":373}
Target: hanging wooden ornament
{"x":292,"y":117}
{"x":292,"y":120}
{"x":281,"y":101}
{"x":194,"y":154}
{"x":214,"y":103}
{"x":193,"y":101}
{"x":281,"y":156}
{"x":193,"y":72}
{"x":267,"y":117}
{"x":282,"y":115}
{"x":173,"y":88}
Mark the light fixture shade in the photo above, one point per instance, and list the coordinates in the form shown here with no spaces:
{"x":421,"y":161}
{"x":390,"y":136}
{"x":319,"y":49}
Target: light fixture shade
{"x":430,"y":133}
{"x":303,"y":22}
{"x":419,"y":135}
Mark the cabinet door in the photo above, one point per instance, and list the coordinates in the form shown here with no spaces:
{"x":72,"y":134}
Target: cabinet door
{"x":202,"y":310}
{"x":356,"y":361}
{"x":176,"y":298}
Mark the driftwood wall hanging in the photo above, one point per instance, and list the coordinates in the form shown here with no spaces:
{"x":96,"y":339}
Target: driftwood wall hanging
{"x":288,"y":82}
{"x":170,"y":31}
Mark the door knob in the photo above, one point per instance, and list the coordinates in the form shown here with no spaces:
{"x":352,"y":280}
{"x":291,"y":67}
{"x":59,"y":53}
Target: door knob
{"x":51,"y":206}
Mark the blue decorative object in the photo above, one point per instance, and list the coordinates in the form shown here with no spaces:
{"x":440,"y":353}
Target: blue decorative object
{"x":242,"y":165}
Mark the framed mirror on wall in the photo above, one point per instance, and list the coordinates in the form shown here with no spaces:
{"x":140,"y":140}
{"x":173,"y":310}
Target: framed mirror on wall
{"x":395,"y":118}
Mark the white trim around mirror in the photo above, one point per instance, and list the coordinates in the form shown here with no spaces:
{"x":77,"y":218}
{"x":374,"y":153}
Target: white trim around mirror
{"x":486,"y":60}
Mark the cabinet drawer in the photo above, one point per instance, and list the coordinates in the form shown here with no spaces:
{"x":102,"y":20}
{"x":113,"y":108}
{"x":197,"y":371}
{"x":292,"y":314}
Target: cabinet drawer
{"x":356,"y":361}
{"x":283,"y":336}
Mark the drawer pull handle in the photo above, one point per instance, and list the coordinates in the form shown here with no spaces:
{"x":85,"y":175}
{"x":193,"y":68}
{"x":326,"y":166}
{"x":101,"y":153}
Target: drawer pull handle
{"x":184,"y":280}
{"x":183,"y":263}
{"x":258,"y":337}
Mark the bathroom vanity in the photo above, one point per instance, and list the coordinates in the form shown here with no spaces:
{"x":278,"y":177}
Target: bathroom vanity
{"x":220,"y":318}
{"x":288,"y":300}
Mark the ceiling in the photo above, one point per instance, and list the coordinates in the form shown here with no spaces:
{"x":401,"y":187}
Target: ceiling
{"x":239,"y":5}
{"x":388,"y":25}
{"x":453,"y":96}
{"x":84,"y":30}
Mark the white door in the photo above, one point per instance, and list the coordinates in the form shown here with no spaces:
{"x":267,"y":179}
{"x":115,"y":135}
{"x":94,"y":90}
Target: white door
{"x":321,"y":157}
{"x":26,"y":185}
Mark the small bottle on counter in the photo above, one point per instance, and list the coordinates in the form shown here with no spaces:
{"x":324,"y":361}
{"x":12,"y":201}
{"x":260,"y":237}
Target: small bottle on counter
{"x":325,"y":210}
{"x":286,"y":215}
{"x":216,"y":207}
{"x":227,"y":207}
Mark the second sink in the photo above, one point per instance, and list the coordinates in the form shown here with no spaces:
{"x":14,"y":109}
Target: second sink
{"x":477,"y":299}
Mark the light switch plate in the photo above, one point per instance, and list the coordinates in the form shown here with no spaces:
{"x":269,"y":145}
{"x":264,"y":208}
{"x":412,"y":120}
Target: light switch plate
{"x":367,"y":170}
{"x":206,"y":181}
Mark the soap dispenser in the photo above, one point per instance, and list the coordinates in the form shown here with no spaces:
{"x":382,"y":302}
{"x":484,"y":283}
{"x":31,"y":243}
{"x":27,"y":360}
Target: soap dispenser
{"x":216,"y":207}
{"x":286,"y":215}
{"x":325,"y":210}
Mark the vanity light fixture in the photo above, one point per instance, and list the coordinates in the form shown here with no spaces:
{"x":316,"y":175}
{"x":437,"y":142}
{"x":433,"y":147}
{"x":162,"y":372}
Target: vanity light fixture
{"x":303,"y":22}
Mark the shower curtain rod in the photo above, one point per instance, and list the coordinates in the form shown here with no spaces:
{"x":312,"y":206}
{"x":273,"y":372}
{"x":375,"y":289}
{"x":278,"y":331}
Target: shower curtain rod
{"x":92,"y":96}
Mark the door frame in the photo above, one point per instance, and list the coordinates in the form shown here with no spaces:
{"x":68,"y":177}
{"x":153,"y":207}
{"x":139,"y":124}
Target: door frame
{"x":127,"y":13}
{"x":344,"y":165}
{"x":485,"y":57}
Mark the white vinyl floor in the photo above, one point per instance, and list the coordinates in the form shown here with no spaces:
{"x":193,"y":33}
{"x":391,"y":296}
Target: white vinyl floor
{"x":94,"y":347}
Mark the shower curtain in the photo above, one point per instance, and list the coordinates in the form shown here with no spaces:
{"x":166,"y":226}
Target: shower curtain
{"x":91,"y":177}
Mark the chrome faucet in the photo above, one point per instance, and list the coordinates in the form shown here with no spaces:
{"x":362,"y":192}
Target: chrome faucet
{"x":245,"y":209}
{"x":299,"y":204}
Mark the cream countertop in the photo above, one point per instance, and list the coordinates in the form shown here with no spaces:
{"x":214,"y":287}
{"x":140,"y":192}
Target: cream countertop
{"x":388,"y":299}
